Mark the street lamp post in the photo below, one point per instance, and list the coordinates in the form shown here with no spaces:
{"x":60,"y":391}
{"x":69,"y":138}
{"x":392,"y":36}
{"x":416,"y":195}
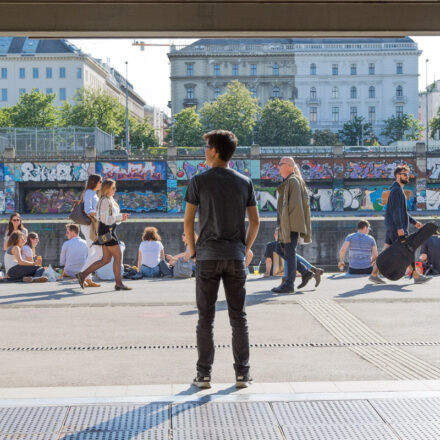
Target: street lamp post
{"x":427,"y":117}
{"x":127,"y":135}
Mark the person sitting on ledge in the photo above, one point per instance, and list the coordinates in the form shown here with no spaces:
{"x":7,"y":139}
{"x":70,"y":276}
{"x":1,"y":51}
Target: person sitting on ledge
{"x":150,"y":253}
{"x":73,"y":252}
{"x":28,"y":251}
{"x":15,"y":224}
{"x":18,"y":269}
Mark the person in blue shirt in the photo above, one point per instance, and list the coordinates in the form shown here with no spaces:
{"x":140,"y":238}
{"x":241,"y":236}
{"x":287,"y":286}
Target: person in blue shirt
{"x":397,"y":221}
{"x":362,"y":250}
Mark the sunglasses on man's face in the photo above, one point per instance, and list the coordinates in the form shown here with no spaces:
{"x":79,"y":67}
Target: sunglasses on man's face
{"x":404,"y":174}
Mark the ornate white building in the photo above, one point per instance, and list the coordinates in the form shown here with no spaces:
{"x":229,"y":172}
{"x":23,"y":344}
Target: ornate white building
{"x":330,"y":80}
{"x":56,"y":66}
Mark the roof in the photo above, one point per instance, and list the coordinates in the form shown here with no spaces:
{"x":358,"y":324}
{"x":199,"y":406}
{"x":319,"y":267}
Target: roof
{"x":28,"y":46}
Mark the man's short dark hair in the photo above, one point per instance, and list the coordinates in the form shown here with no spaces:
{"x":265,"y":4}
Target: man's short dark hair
{"x":225,"y":142}
{"x":363,"y":224}
{"x":400,"y":169}
{"x":72,"y":227}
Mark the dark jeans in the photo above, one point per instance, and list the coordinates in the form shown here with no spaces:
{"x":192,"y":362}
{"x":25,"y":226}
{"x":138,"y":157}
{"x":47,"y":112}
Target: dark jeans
{"x":16,"y":273}
{"x":364,"y":271}
{"x":208,"y":275}
{"x":302,"y":265}
{"x":288,"y":252}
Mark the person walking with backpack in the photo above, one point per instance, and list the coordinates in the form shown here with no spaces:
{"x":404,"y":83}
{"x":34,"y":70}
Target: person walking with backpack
{"x":223,"y":197}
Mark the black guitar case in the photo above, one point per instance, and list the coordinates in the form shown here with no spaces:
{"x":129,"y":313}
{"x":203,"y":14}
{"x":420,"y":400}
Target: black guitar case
{"x":393,"y":261}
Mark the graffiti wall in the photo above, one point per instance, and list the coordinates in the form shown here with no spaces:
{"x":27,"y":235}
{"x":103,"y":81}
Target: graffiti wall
{"x":375,"y":169}
{"x":142,"y":201}
{"x":50,"y":200}
{"x":433,"y":168}
{"x":266,"y":196}
{"x":269,"y":170}
{"x":49,"y":172}
{"x":313,"y":170}
{"x":175,"y":196}
{"x":187,"y":169}
{"x":156,"y":170}
{"x":432,"y":198}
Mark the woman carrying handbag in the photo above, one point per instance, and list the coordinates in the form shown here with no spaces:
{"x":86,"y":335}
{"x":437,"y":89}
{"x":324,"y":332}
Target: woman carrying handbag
{"x":108,"y":216}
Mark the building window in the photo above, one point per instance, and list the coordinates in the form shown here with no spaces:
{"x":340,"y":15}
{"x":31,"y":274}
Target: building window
{"x":335,"y":114}
{"x":313,"y":114}
{"x":371,"y":69}
{"x":216,"y":69}
{"x":372,"y":92}
{"x":399,"y":68}
{"x":37,"y":90}
{"x":49,"y":91}
{"x":21,"y":91}
{"x":372,"y":114}
{"x":313,"y":69}
{"x":253,"y":69}
{"x":312,"y":92}
{"x":295,"y":93}
{"x":353,"y":69}
{"x":335,"y":92}
{"x":4,"y":94}
{"x":253,"y":92}
{"x":62,"y":72}
{"x":4,"y":73}
{"x":335,"y":69}
{"x":189,"y":69}
{"x":35,"y":73}
{"x":399,"y":111}
{"x":353,"y":93}
{"x":353,"y":112}
{"x":48,"y":72}
{"x":276,"y":92}
{"x":216,"y":92}
{"x":62,"y":94}
{"x":78,"y":73}
{"x":22,"y":73}
{"x":235,"y":70}
{"x":399,"y":91}
{"x":190,"y":93}
{"x":275,"y":69}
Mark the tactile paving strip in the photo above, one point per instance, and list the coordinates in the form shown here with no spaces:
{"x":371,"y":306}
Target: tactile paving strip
{"x":414,"y":431}
{"x":29,"y":436}
{"x":117,"y":435}
{"x":339,"y":432}
{"x":404,"y":411}
{"x":350,"y":412}
{"x":222,"y":415}
{"x":31,"y":420}
{"x":136,"y":418}
{"x":237,"y":433}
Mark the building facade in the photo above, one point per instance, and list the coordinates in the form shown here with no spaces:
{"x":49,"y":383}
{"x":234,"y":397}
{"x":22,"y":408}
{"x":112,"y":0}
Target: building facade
{"x":330,"y":80}
{"x":56,"y":66}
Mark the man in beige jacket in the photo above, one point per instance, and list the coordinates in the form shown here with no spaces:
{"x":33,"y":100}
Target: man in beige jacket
{"x":293,"y":218}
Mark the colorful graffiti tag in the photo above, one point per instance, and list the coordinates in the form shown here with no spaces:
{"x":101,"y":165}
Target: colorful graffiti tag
{"x":51,"y":200}
{"x":433,"y":168}
{"x":312,"y":170}
{"x":51,"y":172}
{"x":156,"y":170}
{"x":187,"y":169}
{"x":142,"y":201}
{"x":374,"y":169}
{"x":269,"y":171}
{"x":175,"y":196}
{"x":432,"y":198}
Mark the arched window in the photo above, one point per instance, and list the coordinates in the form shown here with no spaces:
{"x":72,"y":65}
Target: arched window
{"x":295,"y":93}
{"x":399,"y":91}
{"x":371,"y":92}
{"x":276,"y":92}
{"x":190,"y":93}
{"x":313,"y":69}
{"x":253,"y":92}
{"x":353,"y":93}
{"x":275,"y":69}
{"x":312,"y":92}
{"x":335,"y":92}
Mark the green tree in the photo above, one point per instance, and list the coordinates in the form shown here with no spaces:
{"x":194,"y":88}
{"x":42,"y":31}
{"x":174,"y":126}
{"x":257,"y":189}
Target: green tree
{"x":235,"y":110}
{"x":357,"y":131}
{"x":5,"y":117}
{"x":405,"y":127}
{"x":434,"y":125}
{"x":187,"y":129}
{"x":325,"y":137}
{"x":34,"y":109}
{"x":141,"y":134}
{"x":91,"y":108}
{"x":282,"y":123}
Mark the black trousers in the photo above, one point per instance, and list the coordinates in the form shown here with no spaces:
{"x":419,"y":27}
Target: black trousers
{"x":208,"y":276}
{"x":16,"y":273}
{"x":365,"y":271}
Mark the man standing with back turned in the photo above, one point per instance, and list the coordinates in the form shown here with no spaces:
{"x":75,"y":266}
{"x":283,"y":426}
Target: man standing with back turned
{"x":223,"y":197}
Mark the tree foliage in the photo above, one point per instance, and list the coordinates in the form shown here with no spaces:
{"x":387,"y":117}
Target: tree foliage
{"x":282,"y":123}
{"x":405,"y":127}
{"x":357,"y":131}
{"x":142,"y":134}
{"x":187,"y":129}
{"x":434,"y":125}
{"x":5,"y":117}
{"x":325,"y":138}
{"x":235,"y":110}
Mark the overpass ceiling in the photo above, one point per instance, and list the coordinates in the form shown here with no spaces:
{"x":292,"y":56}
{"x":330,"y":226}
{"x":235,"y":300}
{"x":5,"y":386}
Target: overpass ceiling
{"x":216,"y":18}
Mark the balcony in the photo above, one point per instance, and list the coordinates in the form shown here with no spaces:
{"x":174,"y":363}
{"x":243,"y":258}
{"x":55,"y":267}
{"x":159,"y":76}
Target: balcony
{"x":313,"y":101}
{"x":400,"y":99}
{"x":190,"y":102}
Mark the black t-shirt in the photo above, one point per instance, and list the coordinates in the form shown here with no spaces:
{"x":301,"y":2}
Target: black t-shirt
{"x":222,"y":195}
{"x":431,"y":247}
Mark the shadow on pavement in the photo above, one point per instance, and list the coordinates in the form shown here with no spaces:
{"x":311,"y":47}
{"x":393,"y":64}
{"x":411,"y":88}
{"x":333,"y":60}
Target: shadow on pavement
{"x":372,"y":288}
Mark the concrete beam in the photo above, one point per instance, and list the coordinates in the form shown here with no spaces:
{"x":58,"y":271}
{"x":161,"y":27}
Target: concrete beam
{"x":215,"y":18}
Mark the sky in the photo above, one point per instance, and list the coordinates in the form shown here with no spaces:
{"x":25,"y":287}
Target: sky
{"x":149,"y":70}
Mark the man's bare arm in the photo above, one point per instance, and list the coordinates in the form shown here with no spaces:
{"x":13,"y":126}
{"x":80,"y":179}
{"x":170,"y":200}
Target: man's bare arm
{"x":254,"y":225}
{"x":188,"y":226}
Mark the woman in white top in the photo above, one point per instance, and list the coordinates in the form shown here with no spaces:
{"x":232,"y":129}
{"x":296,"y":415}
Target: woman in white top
{"x":17,"y":268}
{"x":15,"y":224}
{"x":150,"y":253}
{"x":109,"y":216}
{"x":28,"y":250}
{"x":90,"y":198}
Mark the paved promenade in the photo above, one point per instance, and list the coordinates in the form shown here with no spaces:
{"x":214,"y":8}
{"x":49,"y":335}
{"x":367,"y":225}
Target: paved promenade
{"x":344,"y":361}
